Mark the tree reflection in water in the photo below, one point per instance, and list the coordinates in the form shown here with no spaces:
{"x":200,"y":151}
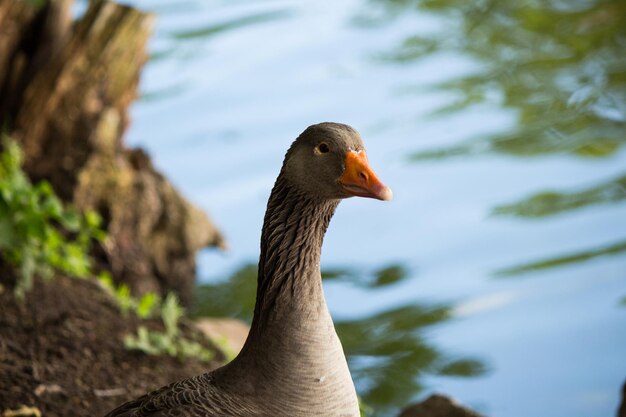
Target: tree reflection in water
{"x":560,"y":65}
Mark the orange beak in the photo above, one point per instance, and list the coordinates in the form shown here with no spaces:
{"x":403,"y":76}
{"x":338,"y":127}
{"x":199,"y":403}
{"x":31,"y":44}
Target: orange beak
{"x":359,"y":179}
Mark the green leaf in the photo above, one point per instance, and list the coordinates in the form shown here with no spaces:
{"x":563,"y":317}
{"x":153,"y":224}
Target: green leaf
{"x":92,"y":219}
{"x":106,"y":280}
{"x":71,"y":221}
{"x":52,"y":207}
{"x":169,"y":342}
{"x":146,"y":305}
{"x":38,"y":235}
{"x":7,"y":234}
{"x":171,"y":312}
{"x":123,"y":298}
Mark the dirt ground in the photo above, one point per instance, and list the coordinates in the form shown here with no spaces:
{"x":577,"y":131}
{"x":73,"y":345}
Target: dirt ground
{"x":62,"y":351}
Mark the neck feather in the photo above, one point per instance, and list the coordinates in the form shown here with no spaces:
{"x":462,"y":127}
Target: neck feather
{"x":291,"y":242}
{"x":292,"y":355}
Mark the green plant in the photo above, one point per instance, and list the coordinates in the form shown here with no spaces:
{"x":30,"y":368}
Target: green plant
{"x":38,"y":235}
{"x":143,"y":307}
{"x":170,"y":341}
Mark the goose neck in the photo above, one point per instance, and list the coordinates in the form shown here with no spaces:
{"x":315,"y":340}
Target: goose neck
{"x":289,"y":279}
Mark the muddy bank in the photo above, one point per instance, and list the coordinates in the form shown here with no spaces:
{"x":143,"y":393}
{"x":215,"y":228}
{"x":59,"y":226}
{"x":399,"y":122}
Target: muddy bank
{"x":62,"y":351}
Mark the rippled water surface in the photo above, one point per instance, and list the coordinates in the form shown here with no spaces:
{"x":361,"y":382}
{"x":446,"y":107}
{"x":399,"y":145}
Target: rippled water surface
{"x":498,"y":273}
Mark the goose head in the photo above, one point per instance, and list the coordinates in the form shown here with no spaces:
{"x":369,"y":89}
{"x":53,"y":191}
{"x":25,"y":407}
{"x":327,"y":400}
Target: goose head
{"x":328,"y":161}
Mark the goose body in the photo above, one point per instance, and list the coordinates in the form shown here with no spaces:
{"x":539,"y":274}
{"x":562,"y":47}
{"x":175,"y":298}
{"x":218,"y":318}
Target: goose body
{"x":292,"y":363}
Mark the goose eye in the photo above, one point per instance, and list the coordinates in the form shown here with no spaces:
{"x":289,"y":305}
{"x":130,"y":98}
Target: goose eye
{"x":323,"y":148}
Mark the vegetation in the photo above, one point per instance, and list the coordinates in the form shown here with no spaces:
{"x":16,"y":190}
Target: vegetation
{"x":38,"y":235}
{"x":143,"y":307}
{"x":153,"y":342}
{"x":170,"y":341}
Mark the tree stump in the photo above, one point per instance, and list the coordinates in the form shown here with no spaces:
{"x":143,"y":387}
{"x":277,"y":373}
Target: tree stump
{"x":65,"y":90}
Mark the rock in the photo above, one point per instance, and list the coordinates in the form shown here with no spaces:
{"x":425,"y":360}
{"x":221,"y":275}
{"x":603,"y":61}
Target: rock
{"x":438,"y":406}
{"x":65,"y":91}
{"x":228,"y":334}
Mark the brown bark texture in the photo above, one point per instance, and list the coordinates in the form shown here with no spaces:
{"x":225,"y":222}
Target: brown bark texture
{"x":65,"y":90}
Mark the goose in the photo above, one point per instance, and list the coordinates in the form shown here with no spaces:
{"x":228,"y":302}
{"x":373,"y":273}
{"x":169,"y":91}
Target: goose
{"x":292,"y":363}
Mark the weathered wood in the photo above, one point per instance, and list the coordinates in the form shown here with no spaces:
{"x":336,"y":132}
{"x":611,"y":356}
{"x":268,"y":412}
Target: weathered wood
{"x":28,"y":38}
{"x":65,"y":91}
{"x":93,"y":74}
{"x":15,"y":16}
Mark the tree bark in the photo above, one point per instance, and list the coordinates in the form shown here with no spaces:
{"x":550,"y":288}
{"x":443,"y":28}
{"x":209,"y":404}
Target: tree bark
{"x":65,"y":90}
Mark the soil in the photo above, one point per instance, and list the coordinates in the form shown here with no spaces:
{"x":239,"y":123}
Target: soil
{"x":61,"y":351}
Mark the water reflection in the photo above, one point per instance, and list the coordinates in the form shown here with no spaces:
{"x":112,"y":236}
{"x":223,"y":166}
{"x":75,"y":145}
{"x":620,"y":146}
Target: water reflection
{"x":559,"y":64}
{"x":164,"y":93}
{"x":223,"y":26}
{"x":562,"y":260}
{"x":548,"y":203}
{"x":387,"y":351}
{"x":388,"y":275}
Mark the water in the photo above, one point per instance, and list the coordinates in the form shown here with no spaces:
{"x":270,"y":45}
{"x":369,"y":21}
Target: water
{"x":498,"y":273}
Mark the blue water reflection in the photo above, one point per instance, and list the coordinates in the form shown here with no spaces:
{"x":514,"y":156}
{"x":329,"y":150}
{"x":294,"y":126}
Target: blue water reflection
{"x":501,"y":128}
